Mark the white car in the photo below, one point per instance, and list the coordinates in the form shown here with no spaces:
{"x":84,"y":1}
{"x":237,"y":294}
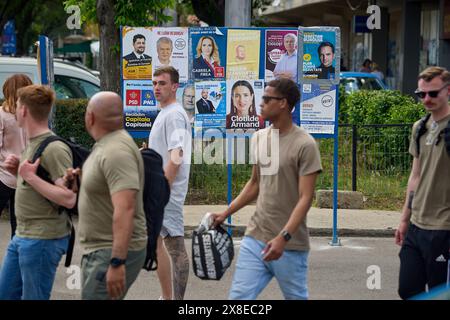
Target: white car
{"x":71,"y":81}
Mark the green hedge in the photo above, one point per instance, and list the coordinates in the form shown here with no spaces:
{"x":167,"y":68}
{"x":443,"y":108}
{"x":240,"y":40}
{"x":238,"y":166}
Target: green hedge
{"x":69,"y":121}
{"x":379,"y":107}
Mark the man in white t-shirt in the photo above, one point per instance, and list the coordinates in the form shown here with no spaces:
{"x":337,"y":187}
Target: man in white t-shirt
{"x":171,"y":138}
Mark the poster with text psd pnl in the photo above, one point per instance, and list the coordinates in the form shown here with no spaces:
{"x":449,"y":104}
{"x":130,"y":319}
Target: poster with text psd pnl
{"x":139,"y":103}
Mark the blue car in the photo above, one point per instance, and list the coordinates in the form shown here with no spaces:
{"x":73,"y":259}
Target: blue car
{"x":354,"y":81}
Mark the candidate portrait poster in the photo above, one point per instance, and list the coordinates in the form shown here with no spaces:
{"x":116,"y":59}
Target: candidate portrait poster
{"x":320,"y":59}
{"x":208,"y":53}
{"x":243,"y":105}
{"x":186,"y":97}
{"x":318,"y":108}
{"x":139,"y":103}
{"x":136,"y":53}
{"x":243,"y":54}
{"x":281,"y":54}
{"x":210,"y":104}
{"x":169,"y":47}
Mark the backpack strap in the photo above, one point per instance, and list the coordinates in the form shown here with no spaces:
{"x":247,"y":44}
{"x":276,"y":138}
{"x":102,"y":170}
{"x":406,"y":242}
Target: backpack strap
{"x":446,"y":133}
{"x":41,"y":171}
{"x":421,"y":130}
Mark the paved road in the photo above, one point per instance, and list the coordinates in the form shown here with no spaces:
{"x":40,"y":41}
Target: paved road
{"x":335,"y":273}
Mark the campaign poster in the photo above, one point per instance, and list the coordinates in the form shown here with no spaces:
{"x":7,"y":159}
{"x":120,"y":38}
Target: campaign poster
{"x":136,"y":53}
{"x":281,"y":54}
{"x":186,"y":97}
{"x":210,"y":104}
{"x":169,"y":47}
{"x":243,"y":105}
{"x":243,"y":54}
{"x":319,"y":58}
{"x":208,"y":53}
{"x":139,"y":103}
{"x":318,"y":108}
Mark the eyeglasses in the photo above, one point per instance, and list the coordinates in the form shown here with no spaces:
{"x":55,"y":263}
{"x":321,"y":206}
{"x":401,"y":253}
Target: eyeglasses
{"x":267,"y":99}
{"x":432,"y":94}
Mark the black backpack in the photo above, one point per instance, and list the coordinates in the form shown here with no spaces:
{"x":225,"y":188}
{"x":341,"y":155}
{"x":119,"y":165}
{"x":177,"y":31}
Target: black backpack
{"x":79,"y":155}
{"x":422,"y":129}
{"x":156,"y":196}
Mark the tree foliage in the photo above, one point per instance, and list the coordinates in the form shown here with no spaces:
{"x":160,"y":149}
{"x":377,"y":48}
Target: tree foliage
{"x":110,"y":15}
{"x":34,"y":17}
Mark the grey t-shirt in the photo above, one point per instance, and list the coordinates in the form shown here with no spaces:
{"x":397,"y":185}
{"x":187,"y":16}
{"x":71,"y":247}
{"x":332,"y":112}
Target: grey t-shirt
{"x":172,"y":130}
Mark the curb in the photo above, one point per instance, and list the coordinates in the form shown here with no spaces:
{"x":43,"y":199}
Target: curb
{"x":239,"y":231}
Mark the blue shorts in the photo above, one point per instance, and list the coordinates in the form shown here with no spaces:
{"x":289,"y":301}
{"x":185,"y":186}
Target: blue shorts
{"x":253,"y":273}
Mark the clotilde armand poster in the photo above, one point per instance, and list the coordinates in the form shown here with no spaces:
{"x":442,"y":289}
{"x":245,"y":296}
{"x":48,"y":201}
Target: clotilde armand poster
{"x":243,"y":54}
{"x":140,"y":108}
{"x":243,"y":105}
{"x":136,"y":56}
{"x":169,"y":47}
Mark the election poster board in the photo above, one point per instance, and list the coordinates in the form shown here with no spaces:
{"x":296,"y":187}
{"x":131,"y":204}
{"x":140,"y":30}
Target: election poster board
{"x":210,"y":104}
{"x":318,"y":108}
{"x":243,"y":54}
{"x":169,"y":47}
{"x":319,"y":56}
{"x":186,"y":97}
{"x":281,"y":54}
{"x":243,"y":105}
{"x":136,"y":53}
{"x":208,"y":53}
{"x":140,"y":109}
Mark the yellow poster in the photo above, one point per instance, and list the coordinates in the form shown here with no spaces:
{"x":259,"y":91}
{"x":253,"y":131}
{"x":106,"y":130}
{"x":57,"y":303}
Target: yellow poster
{"x":136,"y":59}
{"x":243,"y":54}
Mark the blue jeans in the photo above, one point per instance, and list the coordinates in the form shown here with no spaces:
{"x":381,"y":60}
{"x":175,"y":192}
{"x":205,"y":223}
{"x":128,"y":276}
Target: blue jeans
{"x":29,"y":268}
{"x":253,"y":273}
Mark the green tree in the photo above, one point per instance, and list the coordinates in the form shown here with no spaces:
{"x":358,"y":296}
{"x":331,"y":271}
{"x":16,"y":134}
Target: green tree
{"x":33,"y":17}
{"x":110,"y":15}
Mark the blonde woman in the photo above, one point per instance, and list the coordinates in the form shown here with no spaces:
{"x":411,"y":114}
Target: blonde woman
{"x":12,"y":141}
{"x":207,"y":58}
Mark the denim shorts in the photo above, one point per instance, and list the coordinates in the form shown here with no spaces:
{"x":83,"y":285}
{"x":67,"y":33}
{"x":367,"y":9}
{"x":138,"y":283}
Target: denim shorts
{"x":253,"y":273}
{"x":29,"y":268}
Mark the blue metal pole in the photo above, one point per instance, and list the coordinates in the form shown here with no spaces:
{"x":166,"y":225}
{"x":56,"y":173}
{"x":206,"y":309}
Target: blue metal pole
{"x":335,"y":241}
{"x":229,"y":176}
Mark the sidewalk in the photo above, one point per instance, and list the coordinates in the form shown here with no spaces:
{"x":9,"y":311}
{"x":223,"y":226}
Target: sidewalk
{"x":362,"y":223}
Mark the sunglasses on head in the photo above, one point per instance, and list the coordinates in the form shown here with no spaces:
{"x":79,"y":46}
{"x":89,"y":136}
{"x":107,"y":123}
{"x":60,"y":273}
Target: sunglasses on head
{"x":267,"y":99}
{"x":432,"y":94}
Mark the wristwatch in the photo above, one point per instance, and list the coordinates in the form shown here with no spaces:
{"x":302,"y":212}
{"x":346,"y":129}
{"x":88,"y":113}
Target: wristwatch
{"x":286,"y":235}
{"x":117,"y":262}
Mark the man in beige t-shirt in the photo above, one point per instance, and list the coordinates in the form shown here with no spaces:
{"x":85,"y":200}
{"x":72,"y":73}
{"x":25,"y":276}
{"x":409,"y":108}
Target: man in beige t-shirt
{"x":112,"y":224}
{"x":424,"y":229}
{"x":286,"y":164}
{"x":42,"y":234}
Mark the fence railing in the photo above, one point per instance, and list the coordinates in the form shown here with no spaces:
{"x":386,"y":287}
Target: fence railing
{"x":373,"y":159}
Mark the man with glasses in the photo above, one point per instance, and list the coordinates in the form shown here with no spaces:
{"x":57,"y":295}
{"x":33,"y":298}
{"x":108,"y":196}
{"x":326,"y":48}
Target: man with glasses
{"x":424,"y":229}
{"x":276,"y":241}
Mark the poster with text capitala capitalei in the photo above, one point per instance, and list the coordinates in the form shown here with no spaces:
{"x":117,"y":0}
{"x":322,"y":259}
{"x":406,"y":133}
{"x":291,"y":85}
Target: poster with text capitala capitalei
{"x":139,"y":103}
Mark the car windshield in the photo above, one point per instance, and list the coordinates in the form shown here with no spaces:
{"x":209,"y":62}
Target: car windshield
{"x":353,"y":84}
{"x":73,"y":88}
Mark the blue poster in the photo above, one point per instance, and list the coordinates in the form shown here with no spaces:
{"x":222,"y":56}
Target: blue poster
{"x":140,"y":109}
{"x":320,"y":56}
{"x":208,"y":53}
{"x":210,"y":104}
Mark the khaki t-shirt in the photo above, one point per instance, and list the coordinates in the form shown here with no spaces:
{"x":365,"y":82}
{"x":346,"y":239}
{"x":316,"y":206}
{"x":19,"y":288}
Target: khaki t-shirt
{"x":115,"y":164}
{"x":431,"y":203}
{"x":37,"y":217}
{"x":298,"y":155}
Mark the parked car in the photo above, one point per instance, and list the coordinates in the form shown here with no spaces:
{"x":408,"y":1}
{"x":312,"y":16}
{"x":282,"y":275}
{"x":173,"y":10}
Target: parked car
{"x":71,"y":80}
{"x":354,"y":81}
